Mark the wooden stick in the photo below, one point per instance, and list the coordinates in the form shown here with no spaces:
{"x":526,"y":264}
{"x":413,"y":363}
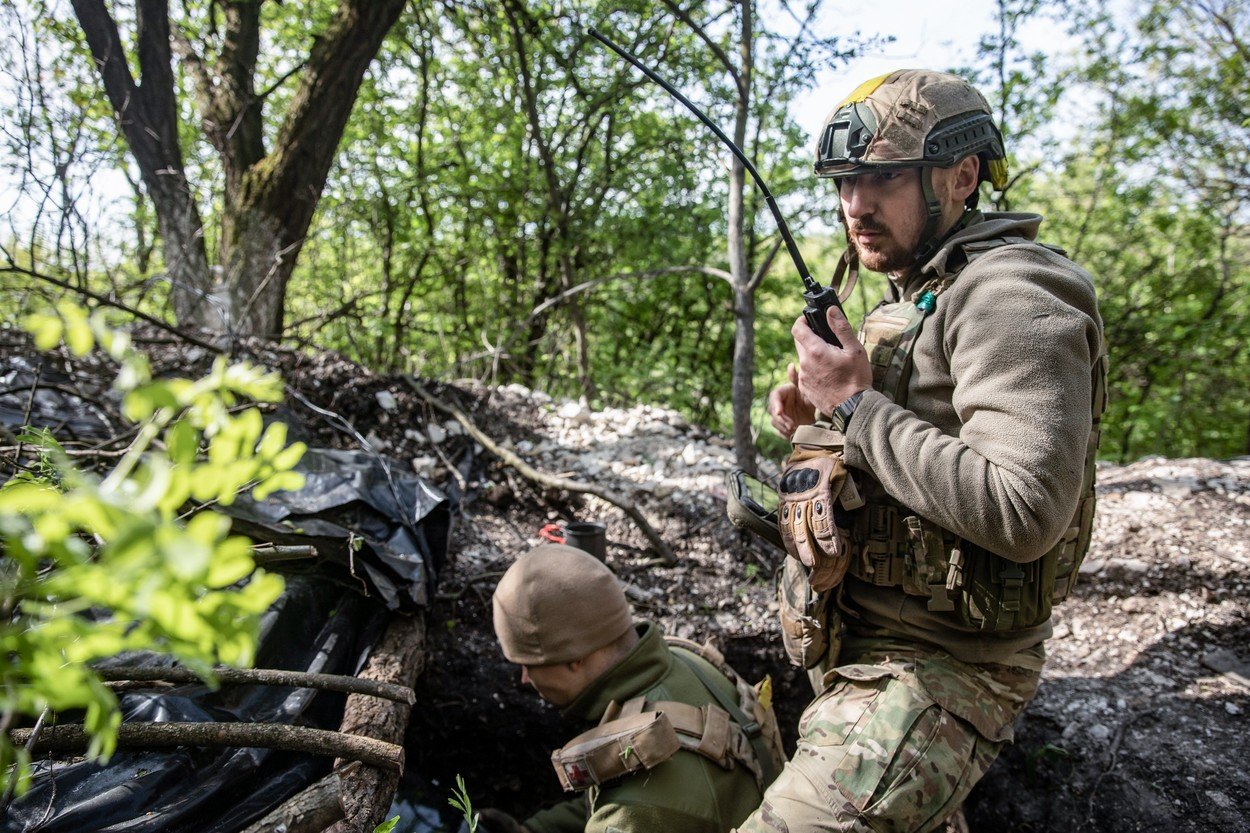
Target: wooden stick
{"x":398,"y":656}
{"x":310,"y":811}
{"x":261,"y":676}
{"x":385,"y":756}
{"x":657,"y":543}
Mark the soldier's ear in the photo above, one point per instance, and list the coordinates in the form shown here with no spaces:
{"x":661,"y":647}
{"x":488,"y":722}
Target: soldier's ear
{"x":967,"y":177}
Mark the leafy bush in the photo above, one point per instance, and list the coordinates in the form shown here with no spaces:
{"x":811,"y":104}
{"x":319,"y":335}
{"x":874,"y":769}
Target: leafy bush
{"x":92,"y":565}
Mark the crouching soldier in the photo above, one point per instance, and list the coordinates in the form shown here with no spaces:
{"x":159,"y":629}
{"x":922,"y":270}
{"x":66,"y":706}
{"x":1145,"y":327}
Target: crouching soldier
{"x":682,"y":742}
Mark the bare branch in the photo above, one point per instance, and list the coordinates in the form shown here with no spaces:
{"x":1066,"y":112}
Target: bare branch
{"x":551,"y":481}
{"x":74,"y":739}
{"x":262,"y":676}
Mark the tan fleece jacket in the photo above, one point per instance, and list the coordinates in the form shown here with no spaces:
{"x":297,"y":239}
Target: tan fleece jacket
{"x":991,"y":443}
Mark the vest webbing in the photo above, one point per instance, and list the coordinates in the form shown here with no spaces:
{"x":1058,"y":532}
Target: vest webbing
{"x":898,"y":548}
{"x":763,"y":739}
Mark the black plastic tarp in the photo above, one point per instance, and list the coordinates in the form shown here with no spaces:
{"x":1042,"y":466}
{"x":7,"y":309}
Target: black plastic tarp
{"x":314,"y":626}
{"x":377,"y":528}
{"x":382,"y":535}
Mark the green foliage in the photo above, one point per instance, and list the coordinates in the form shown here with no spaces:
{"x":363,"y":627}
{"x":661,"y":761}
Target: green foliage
{"x":508,"y":196}
{"x":387,"y":826}
{"x":96,"y":565}
{"x":461,"y":801}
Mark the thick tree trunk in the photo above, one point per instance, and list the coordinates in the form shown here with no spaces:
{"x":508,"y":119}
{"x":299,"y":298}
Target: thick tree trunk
{"x":269,"y":199}
{"x":146,"y":114}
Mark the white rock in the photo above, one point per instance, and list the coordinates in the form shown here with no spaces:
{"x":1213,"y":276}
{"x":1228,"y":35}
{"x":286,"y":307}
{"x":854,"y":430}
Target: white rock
{"x":436,"y":433}
{"x":1179,"y":487}
{"x":453,"y":428}
{"x":1232,"y":708}
{"x":386,"y":400}
{"x":574,"y":412}
{"x":690,"y":454}
{"x":414,"y":435}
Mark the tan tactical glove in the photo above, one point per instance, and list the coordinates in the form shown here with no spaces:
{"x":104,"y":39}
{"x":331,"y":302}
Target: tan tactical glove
{"x":813,"y":482}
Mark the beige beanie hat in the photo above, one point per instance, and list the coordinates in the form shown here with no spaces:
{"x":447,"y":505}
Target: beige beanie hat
{"x":557,"y":604}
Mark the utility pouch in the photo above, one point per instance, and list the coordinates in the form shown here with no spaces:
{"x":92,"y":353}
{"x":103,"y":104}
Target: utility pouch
{"x":1004,"y":595}
{"x":816,"y":491}
{"x":811,"y":626}
{"x":614,"y":749}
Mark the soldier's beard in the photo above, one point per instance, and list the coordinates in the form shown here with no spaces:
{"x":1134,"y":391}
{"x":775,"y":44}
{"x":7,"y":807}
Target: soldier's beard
{"x":882,"y":252}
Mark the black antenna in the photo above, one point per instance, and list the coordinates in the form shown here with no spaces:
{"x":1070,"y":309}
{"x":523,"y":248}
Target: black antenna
{"x":809,"y":283}
{"x":819,"y":298}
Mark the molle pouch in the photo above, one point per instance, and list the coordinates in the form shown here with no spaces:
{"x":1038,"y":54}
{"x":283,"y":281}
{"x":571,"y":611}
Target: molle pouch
{"x":889,"y":333}
{"x":816,"y":492}
{"x":616,"y":748}
{"x":811,"y":626}
{"x":1004,"y":595}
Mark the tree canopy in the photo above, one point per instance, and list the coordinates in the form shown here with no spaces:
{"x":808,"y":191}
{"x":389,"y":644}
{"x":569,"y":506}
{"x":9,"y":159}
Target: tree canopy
{"x":468,"y":189}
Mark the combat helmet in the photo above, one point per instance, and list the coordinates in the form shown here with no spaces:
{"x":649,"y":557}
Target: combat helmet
{"x":912,"y":118}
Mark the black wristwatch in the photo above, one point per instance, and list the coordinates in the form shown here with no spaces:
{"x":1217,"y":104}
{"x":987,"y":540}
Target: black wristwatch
{"x":841,"y":416}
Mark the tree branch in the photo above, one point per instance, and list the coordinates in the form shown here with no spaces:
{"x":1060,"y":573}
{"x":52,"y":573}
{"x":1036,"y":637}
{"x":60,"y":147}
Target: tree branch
{"x":109,"y":302}
{"x":765,"y":265}
{"x":262,"y":676}
{"x":74,"y":739}
{"x":702,"y":34}
{"x":551,"y":481}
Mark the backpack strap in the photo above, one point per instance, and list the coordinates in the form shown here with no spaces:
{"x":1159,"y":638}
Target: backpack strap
{"x":764,"y":764}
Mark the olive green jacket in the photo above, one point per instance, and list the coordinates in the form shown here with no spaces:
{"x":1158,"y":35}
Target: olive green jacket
{"x":688,"y":792}
{"x":991,"y":443}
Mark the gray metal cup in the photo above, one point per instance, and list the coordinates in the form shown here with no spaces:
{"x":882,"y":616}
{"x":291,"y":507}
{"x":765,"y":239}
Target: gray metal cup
{"x":588,"y":536}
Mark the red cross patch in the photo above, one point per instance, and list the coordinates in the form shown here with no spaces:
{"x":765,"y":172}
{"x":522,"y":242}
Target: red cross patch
{"x":577,"y":776}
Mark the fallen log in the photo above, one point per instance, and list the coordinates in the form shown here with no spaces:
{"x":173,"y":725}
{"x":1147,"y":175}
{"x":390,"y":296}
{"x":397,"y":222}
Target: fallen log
{"x":662,"y":549}
{"x":310,"y":811}
{"x":398,"y":658}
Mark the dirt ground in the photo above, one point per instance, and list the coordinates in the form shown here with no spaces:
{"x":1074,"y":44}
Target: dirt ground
{"x":1141,"y":720}
{"x":1140,"y":723}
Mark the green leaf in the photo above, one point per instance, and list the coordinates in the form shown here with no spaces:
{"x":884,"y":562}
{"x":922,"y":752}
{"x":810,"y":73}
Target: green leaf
{"x":46,"y":329}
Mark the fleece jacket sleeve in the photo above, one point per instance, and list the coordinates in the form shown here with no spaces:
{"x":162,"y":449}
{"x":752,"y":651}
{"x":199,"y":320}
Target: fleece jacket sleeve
{"x":1019,"y":331}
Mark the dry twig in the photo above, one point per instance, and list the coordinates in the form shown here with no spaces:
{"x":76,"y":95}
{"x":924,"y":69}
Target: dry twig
{"x":555,"y":482}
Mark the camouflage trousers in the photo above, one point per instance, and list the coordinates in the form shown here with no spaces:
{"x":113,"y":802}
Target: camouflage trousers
{"x":896,"y":739}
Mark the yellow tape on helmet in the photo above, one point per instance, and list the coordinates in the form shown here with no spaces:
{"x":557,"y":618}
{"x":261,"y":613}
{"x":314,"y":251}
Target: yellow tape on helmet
{"x":864,"y":90}
{"x":998,"y":173}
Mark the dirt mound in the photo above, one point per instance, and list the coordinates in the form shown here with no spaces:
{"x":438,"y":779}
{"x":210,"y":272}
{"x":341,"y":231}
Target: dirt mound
{"x":1140,"y":721}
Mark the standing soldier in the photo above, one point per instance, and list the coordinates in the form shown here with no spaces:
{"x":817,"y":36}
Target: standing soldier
{"x":682,"y":743}
{"x":946,"y":499}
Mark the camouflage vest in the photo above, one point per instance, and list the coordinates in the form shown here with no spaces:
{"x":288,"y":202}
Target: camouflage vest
{"x":898,"y":548}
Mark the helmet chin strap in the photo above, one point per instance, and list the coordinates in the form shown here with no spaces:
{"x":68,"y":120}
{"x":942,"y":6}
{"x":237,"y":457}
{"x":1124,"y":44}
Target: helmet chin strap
{"x":929,"y":239}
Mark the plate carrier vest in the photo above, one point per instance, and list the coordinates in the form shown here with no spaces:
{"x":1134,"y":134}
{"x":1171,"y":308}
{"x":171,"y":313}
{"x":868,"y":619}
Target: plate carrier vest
{"x":897,"y":548}
{"x":642,"y":734}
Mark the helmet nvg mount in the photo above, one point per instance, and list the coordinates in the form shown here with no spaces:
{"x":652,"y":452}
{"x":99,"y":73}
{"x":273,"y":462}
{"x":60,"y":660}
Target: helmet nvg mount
{"x":908,"y":119}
